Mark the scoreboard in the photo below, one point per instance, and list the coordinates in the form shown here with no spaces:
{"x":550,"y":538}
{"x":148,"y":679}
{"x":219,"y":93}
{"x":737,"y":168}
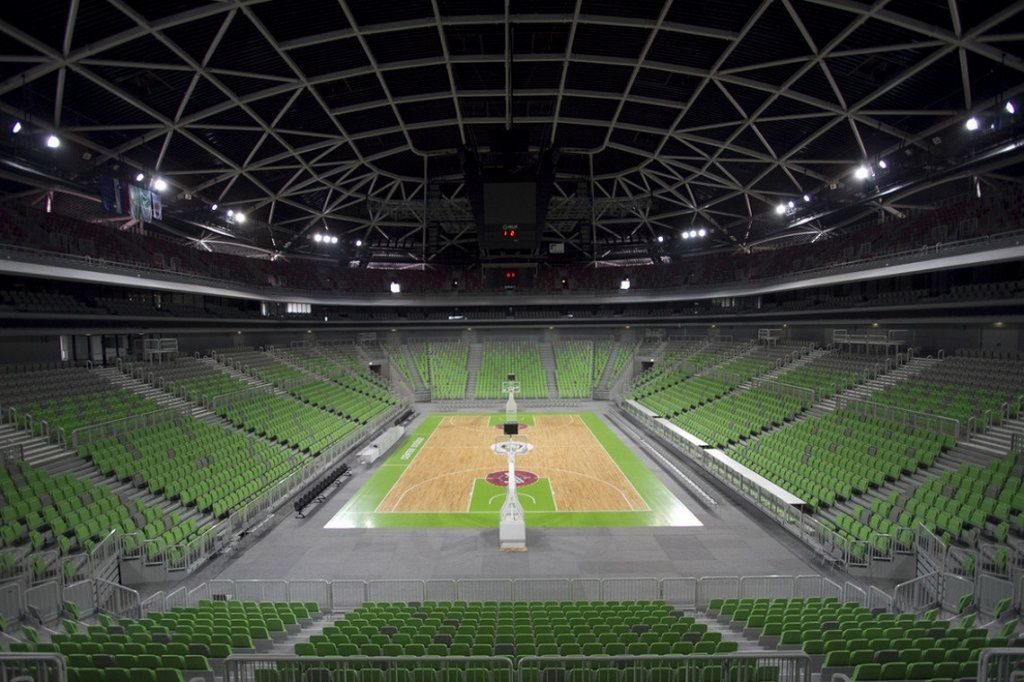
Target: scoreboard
{"x":510,"y":216}
{"x":512,"y":276}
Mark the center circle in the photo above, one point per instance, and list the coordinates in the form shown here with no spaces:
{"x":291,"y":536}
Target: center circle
{"x":500,"y":478}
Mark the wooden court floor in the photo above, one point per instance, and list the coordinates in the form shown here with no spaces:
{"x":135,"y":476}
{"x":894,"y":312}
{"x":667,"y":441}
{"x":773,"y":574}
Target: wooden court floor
{"x":582,"y":475}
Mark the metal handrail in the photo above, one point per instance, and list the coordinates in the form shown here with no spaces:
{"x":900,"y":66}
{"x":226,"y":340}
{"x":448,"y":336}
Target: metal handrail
{"x":919,"y":594}
{"x":143,"y":420}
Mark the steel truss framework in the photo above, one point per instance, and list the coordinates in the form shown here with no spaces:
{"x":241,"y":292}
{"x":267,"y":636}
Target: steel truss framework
{"x":348,"y":116}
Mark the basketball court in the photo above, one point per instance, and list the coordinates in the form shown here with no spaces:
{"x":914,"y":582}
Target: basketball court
{"x":578,"y":474}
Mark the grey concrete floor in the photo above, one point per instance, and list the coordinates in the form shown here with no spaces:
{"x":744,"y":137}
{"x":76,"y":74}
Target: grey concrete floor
{"x":734,"y":540}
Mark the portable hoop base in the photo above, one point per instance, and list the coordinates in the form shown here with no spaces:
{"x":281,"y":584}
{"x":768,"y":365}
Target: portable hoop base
{"x":512,"y":521}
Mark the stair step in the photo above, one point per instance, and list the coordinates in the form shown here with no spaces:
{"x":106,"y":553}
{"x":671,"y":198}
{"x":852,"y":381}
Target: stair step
{"x":547,"y":361}
{"x":128,"y":383}
{"x":475,"y":359}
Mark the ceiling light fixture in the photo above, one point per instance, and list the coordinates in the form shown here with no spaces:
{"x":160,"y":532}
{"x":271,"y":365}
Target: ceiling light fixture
{"x":139,"y":177}
{"x":862,"y":172}
{"x":52,"y":141}
{"x":239,"y":217}
{"x":16,"y":128}
{"x":883,"y":164}
{"x":159,"y":184}
{"x":1010,"y":108}
{"x":972,"y":124}
{"x":780,"y":209}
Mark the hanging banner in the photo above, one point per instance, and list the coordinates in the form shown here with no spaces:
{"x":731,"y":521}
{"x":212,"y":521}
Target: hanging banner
{"x":158,"y":207}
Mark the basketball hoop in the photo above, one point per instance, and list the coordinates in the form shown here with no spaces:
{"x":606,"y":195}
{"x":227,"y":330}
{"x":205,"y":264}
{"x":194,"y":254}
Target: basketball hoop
{"x":512,"y":521}
{"x":510,"y":387}
{"x":507,"y":448}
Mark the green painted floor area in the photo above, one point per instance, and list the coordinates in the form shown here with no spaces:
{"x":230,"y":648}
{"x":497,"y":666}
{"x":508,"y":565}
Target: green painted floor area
{"x":536,"y":497}
{"x":486,"y":499}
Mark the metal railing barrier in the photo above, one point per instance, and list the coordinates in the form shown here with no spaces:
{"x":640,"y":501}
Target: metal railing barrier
{"x":35,"y":666}
{"x":248,"y":667}
{"x":1000,"y":664}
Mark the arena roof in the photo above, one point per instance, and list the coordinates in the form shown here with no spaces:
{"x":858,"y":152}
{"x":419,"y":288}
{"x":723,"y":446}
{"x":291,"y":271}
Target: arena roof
{"x":347,"y":115}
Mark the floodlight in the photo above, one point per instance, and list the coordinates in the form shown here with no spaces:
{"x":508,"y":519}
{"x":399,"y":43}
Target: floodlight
{"x":334,"y":240}
{"x":1010,"y":107}
{"x":52,"y":141}
{"x":660,"y":239}
{"x":16,"y":128}
{"x":396,"y":288}
{"x":780,"y":209}
{"x":883,"y":164}
{"x":359,"y":242}
{"x":686,"y":234}
{"x":972,"y":124}
{"x":702,"y":232}
{"x":862,"y":172}
{"x":159,"y":184}
{"x":139,"y":177}
{"x":318,"y":237}
{"x":807,"y":198}
{"x":624,"y":284}
{"x":213,"y":207}
{"x":239,"y":217}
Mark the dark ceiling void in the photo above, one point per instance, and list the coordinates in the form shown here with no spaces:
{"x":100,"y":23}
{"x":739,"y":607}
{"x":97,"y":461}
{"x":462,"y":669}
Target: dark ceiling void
{"x":353,"y":117}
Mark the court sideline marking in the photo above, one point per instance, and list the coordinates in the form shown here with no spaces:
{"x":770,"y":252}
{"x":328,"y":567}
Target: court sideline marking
{"x":609,"y":456}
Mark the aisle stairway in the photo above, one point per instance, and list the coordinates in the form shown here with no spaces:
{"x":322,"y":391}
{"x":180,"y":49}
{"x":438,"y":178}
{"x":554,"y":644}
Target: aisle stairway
{"x":602,"y":387}
{"x":252,"y":381}
{"x":881,"y":382}
{"x":126,"y":491}
{"x":476,"y":358}
{"x":122,"y":380}
{"x":365,"y":355}
{"x":993,"y":443}
{"x":37,"y":450}
{"x":901,"y":373}
{"x":419,"y":387}
{"x":285,"y":358}
{"x":746,"y":645}
{"x":782,"y":369}
{"x":56,"y":460}
{"x":547,"y":361}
